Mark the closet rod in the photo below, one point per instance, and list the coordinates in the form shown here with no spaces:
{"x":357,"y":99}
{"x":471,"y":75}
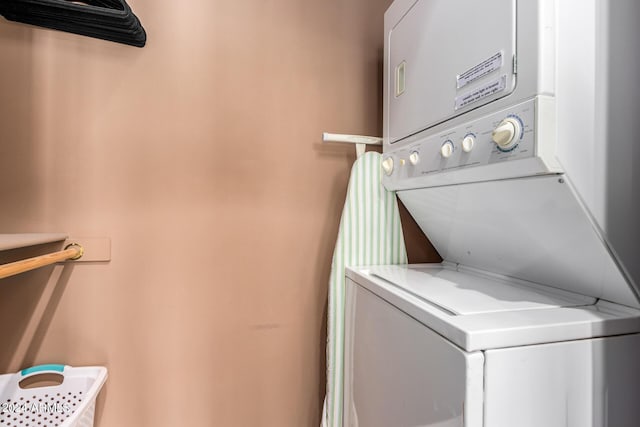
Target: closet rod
{"x":70,"y":252}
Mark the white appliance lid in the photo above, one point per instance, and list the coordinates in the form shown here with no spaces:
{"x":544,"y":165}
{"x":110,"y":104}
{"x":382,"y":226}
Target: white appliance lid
{"x":495,"y":317}
{"x":462,"y":294}
{"x":534,"y":229}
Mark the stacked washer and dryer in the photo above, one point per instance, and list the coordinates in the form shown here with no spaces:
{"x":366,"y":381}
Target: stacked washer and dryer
{"x":510,"y":136}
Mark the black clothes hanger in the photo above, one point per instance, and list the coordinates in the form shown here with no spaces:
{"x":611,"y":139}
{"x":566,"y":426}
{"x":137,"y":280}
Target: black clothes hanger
{"x":111,"y":20}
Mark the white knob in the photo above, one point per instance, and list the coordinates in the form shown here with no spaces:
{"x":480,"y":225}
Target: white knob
{"x":447,"y":149}
{"x":414,"y":158}
{"x":505,"y":135}
{"x":467,"y":143}
{"x":387,"y":166}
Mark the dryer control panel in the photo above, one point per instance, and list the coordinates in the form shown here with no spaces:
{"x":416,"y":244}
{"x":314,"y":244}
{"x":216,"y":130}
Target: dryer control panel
{"x":467,"y":152}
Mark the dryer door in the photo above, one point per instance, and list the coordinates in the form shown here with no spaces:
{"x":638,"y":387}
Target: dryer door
{"x":446,"y":58}
{"x":400,"y":373}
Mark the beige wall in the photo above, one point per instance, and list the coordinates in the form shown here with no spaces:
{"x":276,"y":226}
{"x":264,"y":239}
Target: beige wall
{"x":200,"y":157}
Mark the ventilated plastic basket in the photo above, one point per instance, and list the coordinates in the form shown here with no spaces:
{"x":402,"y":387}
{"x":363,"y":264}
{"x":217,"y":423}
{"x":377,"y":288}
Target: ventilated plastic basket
{"x":70,"y":403}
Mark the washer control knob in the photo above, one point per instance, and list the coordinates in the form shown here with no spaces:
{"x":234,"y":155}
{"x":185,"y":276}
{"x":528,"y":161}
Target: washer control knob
{"x":387,"y":166}
{"x":467,"y":143}
{"x":447,"y":149}
{"x":414,"y":158}
{"x":506,"y":134}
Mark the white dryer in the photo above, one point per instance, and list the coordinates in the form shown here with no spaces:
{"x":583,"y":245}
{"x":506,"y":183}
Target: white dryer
{"x":509,"y":131}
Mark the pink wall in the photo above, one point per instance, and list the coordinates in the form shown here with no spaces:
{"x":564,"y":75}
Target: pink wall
{"x":200,"y":157}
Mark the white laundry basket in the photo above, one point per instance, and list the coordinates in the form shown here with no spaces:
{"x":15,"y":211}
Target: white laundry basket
{"x":68,"y":404}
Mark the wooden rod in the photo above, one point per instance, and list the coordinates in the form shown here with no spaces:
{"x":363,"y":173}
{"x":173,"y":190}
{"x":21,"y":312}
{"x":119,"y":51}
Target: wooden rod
{"x":71,"y":252}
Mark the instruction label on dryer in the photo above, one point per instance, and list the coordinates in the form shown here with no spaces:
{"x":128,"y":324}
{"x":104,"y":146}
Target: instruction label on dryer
{"x":477,"y":94}
{"x":484,"y":68}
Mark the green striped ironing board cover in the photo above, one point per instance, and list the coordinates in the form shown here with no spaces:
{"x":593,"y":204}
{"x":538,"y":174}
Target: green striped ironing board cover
{"x":370,"y":234}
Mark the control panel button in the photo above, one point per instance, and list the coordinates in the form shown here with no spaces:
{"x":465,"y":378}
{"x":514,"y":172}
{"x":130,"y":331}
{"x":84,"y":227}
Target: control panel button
{"x":506,"y":134}
{"x":467,"y":143}
{"x":414,"y":158}
{"x":387,"y":166}
{"x":447,"y":149}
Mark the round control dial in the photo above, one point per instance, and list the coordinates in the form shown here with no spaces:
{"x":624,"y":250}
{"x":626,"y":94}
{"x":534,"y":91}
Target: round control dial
{"x":507,"y":133}
{"x":414,"y":158}
{"x":447,"y":149}
{"x":387,"y":166}
{"x":467,"y":143}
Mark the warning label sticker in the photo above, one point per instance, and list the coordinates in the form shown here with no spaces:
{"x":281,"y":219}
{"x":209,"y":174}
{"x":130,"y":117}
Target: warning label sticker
{"x":477,"y":94}
{"x":482,"y":69}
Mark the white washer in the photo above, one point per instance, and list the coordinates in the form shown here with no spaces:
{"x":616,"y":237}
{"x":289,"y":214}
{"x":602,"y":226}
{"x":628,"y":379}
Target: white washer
{"x":516,"y":124}
{"x":440,"y":346}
